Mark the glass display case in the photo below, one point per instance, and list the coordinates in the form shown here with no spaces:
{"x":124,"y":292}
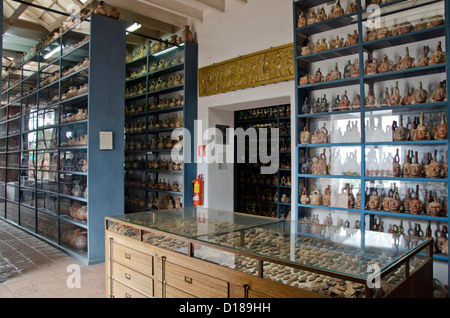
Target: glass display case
{"x":318,"y":259}
{"x":372,"y":114}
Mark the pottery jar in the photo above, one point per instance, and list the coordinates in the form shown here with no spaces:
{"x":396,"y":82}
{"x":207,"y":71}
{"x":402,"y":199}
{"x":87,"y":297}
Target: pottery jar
{"x":323,"y":135}
{"x":435,"y":20}
{"x":437,"y":57}
{"x":319,"y":165}
{"x":415,"y":205}
{"x":315,"y":197}
{"x":422,"y":132}
{"x":395,"y":98}
{"x":385,"y":65}
{"x":440,"y":93}
{"x":318,"y":77}
{"x":305,"y":136}
{"x":187,"y":35}
{"x":114,"y":13}
{"x":311,"y":17}
{"x":396,"y":167}
{"x":301,"y":21}
{"x":354,"y":71}
{"x":335,"y":75}
{"x":395,"y":205}
{"x":370,"y":100}
{"x":400,"y":133}
{"x":394,"y":30}
{"x":421,"y":25}
{"x":326,"y":199}
{"x":344,"y":103}
{"x":405,"y":27}
{"x":407,"y":61}
{"x":386,"y":201}
{"x":100,"y":10}
{"x":441,"y":131}
{"x":370,"y":66}
{"x":306,"y":50}
{"x":420,"y":95}
{"x":434,"y":168}
{"x":321,"y":15}
{"x":406,"y":200}
{"x":347,"y":69}
{"x":435,"y":208}
{"x":423,"y":60}
{"x":383,"y":32}
{"x":338,"y":10}
{"x":407,"y":99}
{"x":374,"y":203}
{"x":304,"y":80}
{"x":415,"y":168}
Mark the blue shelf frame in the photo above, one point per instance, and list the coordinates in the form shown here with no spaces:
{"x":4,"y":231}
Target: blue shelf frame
{"x":105,"y":195}
{"x":189,"y":110}
{"x":302,"y":91}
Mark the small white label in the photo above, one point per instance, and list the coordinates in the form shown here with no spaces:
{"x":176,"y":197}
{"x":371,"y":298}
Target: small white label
{"x":106,"y":140}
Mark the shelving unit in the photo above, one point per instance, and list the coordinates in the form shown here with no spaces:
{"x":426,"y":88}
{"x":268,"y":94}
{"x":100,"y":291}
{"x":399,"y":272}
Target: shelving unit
{"x":160,"y":103}
{"x":257,"y":193}
{"x":56,"y":182}
{"x":361,"y":142}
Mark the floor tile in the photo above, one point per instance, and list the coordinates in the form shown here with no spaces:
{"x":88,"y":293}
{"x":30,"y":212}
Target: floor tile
{"x":30,"y":268}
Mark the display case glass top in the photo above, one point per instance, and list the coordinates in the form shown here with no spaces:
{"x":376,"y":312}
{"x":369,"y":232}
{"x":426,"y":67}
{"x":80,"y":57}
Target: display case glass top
{"x":340,"y":250}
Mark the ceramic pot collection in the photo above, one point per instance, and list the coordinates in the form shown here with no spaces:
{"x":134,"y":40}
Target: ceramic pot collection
{"x":319,"y":15}
{"x":403,"y":27}
{"x":414,"y":201}
{"x":264,"y":113}
{"x":374,"y":66}
{"x":322,"y":45}
{"x":343,"y":198}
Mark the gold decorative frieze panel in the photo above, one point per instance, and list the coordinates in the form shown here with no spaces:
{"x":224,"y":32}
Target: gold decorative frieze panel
{"x":261,"y":68}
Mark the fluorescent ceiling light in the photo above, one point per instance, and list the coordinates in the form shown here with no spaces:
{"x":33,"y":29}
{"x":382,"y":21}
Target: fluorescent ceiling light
{"x":51,"y":53}
{"x":133,"y":27}
{"x":168,"y":50}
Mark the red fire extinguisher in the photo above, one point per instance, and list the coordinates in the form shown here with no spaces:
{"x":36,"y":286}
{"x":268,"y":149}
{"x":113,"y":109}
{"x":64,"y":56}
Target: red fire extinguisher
{"x":198,"y":190}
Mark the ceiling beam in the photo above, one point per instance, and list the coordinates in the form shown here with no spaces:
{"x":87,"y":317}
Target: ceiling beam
{"x":217,"y":5}
{"x":178,"y":8}
{"x":242,"y":1}
{"x":150,"y":11}
{"x":24,"y":24}
{"x":18,"y":12}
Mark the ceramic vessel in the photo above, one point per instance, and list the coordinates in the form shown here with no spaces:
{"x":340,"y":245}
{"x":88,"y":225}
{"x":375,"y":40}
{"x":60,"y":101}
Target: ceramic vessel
{"x":187,"y":35}
{"x":100,"y":10}
{"x":114,"y":14}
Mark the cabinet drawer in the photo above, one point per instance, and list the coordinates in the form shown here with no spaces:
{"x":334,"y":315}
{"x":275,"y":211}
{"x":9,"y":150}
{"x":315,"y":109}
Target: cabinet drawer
{"x":133,"y":259}
{"x":122,"y":291}
{"x":192,"y":282}
{"x":170,"y":292}
{"x":133,"y":279}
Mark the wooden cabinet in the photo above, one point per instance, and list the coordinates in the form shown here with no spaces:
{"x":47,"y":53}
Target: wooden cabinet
{"x":171,"y":254}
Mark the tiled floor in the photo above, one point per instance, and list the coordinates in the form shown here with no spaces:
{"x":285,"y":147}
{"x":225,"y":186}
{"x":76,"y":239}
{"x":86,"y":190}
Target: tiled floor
{"x":30,"y":268}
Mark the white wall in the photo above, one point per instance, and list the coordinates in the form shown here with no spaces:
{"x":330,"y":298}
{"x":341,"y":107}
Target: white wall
{"x":241,"y":30}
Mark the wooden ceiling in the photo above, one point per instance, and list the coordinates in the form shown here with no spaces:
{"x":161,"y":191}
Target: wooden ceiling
{"x":24,"y":25}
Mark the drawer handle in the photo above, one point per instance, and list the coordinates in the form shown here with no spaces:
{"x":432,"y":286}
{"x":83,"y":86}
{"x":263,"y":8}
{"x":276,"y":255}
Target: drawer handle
{"x":127,"y":295}
{"x":127,"y":276}
{"x":188,"y":280}
{"x":127,"y":256}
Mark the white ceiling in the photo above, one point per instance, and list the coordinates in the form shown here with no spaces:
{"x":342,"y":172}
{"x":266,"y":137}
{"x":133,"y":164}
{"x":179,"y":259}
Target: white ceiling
{"x":24,"y":25}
